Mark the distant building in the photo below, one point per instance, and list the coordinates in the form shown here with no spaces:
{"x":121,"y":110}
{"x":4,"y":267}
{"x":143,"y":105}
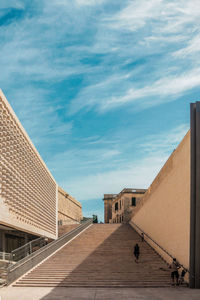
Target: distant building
{"x":69,"y":209}
{"x":118,"y":207}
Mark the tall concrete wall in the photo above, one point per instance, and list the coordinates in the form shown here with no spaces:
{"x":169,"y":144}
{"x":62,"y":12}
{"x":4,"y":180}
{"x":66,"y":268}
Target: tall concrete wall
{"x":164,"y":211}
{"x":69,"y":209}
{"x":28,"y":192}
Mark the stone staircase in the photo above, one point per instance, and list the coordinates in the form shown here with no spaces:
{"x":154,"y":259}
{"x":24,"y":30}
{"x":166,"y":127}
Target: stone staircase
{"x":101,"y":256}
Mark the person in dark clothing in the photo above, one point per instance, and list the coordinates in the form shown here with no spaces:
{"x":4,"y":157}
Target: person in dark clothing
{"x":136,"y":252}
{"x":142,"y":237}
{"x":181,"y":280}
{"x":174,"y":274}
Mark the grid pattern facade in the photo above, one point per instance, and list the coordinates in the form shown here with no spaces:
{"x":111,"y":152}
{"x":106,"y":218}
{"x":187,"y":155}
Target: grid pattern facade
{"x":27,"y":189}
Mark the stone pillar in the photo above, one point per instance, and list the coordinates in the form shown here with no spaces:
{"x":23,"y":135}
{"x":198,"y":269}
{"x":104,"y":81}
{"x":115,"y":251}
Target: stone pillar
{"x":25,"y":238}
{"x":195,"y":197}
{"x":1,"y":241}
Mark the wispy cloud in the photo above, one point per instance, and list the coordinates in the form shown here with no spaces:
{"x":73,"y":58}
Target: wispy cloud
{"x":166,"y":29}
{"x":192,"y":47}
{"x":176,"y":85}
{"x":135,"y":15}
{"x":80,"y":74}
{"x":171,"y":14}
{"x":165,"y":90}
{"x":166,"y":32}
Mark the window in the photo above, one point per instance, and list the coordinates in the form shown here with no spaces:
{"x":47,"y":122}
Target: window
{"x":120,"y":204}
{"x":133,"y":201}
{"x":116,"y":206}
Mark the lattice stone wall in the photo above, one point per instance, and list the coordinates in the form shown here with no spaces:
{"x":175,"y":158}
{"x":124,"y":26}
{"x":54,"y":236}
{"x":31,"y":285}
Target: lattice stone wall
{"x":28,"y":192}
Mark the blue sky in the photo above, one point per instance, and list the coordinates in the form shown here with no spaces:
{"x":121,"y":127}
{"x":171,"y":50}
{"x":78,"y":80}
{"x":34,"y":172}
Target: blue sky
{"x":102,"y":87}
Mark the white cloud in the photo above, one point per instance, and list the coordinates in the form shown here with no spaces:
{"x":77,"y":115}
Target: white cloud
{"x":193,"y":47}
{"x":89,"y":2}
{"x":135,"y":14}
{"x":154,"y":27}
{"x":172,"y":15}
{"x":166,"y":89}
{"x":169,"y":86}
{"x":33,"y":61}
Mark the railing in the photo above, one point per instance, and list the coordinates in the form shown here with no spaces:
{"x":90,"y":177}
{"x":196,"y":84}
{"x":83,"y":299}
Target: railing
{"x":164,"y":250}
{"x":5,"y":256}
{"x":27,"y":263}
{"x":28,"y":249}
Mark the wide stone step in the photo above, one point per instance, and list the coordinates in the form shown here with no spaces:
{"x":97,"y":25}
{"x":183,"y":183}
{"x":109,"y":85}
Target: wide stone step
{"x":99,"y":285}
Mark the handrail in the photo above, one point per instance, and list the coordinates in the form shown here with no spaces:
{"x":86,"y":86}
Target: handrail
{"x":164,"y":250}
{"x":28,"y":248}
{"x":25,"y":259}
{"x":29,"y":243}
{"x":15,"y":250}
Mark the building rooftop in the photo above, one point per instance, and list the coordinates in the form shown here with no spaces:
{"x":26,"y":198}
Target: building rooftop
{"x":109,"y":196}
{"x":133,"y":190}
{"x":125,"y":190}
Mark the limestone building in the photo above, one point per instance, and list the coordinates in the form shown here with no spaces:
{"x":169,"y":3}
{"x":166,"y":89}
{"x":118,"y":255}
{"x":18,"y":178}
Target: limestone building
{"x":30,"y":201}
{"x":124,"y":203}
{"x":28,"y":191}
{"x":69,"y":209}
{"x":118,"y":207}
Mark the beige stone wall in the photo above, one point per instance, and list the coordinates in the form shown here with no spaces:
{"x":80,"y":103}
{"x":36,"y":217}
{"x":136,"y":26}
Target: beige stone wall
{"x":28,"y":192}
{"x":69,"y":209}
{"x":164,"y":211}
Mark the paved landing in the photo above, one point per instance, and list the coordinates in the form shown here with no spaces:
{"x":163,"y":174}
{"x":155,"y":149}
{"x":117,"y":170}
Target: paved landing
{"x":61,"y":293}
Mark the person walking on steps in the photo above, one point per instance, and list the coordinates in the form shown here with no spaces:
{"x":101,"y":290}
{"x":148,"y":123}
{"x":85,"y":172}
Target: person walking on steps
{"x":142,"y":237}
{"x":174,"y":273}
{"x":182,"y":280}
{"x":136,"y":253}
